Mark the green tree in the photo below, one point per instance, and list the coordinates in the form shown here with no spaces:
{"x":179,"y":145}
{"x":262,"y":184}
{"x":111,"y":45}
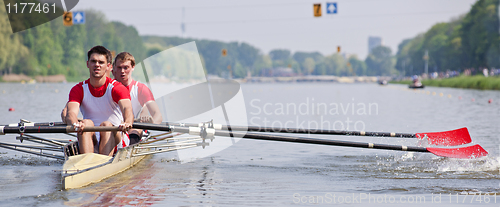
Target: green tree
{"x":469,"y":41}
{"x":479,"y":32}
{"x":74,"y":53}
{"x":331,"y":65}
{"x":279,"y":54}
{"x":12,"y":49}
{"x":130,"y":40}
{"x":263,"y":62}
{"x":358,"y":66}
{"x":379,"y":61}
{"x":309,"y":64}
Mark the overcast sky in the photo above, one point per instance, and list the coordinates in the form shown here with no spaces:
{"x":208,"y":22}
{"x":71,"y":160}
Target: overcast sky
{"x":284,"y":24}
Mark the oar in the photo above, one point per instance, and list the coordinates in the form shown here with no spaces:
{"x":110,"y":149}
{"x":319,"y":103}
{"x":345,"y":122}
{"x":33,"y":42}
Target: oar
{"x":52,"y":129}
{"x":447,"y":138}
{"x":25,"y":123}
{"x":468,"y":152}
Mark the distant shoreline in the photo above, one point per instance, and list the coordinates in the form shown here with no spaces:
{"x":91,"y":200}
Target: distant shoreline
{"x":471,"y":82}
{"x":38,"y":79}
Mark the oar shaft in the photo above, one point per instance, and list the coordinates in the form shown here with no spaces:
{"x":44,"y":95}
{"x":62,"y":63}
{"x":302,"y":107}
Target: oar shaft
{"x":50,"y":124}
{"x":281,"y":138}
{"x":158,"y":127}
{"x":278,"y":130}
{"x":319,"y":131}
{"x":304,"y":131}
{"x":321,"y":141}
{"x":460,"y":152}
{"x":52,"y":129}
{"x":37,"y":124}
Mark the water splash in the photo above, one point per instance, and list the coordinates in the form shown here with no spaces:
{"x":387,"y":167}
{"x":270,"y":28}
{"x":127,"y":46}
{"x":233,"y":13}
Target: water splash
{"x":18,"y":160}
{"x":489,"y":164}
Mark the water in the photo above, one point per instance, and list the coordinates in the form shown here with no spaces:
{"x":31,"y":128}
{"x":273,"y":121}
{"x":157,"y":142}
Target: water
{"x":264,"y":173}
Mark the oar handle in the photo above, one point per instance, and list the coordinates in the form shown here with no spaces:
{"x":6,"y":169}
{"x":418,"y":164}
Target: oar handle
{"x":101,"y":128}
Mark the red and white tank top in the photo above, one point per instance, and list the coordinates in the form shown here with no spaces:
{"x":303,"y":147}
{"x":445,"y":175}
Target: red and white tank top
{"x":100,"y":104}
{"x":139,"y":96}
{"x":100,"y":109}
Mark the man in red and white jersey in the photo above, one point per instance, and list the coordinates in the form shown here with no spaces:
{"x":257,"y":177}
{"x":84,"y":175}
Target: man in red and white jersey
{"x":144,"y":106}
{"x":103,"y":102}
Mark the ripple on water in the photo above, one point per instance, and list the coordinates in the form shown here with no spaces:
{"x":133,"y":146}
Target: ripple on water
{"x":30,"y":160}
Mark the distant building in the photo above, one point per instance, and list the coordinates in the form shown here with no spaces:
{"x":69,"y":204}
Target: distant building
{"x":373,"y":42}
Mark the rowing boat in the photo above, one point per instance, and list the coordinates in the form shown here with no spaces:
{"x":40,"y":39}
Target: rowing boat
{"x":416,"y":85}
{"x":84,"y":169}
{"x":80,"y":170}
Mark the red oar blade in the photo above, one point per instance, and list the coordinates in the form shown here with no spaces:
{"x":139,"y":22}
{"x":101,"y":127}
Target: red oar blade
{"x":447,"y":138}
{"x":474,"y":151}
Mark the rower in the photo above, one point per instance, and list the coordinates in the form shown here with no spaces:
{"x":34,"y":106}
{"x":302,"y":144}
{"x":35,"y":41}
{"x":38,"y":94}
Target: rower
{"x":144,"y":106}
{"x":103,"y":102}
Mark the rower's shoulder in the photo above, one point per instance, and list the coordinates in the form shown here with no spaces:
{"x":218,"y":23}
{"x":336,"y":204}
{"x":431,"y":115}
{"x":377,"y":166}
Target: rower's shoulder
{"x":82,"y":82}
{"x":79,"y":86}
{"x":119,"y":89}
{"x":142,"y":85}
{"x":113,"y":82}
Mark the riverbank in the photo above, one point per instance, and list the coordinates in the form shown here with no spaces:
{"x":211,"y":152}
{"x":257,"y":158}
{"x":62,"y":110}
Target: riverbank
{"x":471,"y":82}
{"x":27,"y":79}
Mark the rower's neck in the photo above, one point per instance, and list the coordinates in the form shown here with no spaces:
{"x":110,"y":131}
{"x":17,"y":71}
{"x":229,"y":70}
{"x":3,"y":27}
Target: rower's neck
{"x":128,"y":82}
{"x":97,"y":82}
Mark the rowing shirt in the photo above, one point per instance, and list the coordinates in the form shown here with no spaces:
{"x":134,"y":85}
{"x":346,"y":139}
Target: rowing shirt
{"x":100,"y":104}
{"x":140,"y":95}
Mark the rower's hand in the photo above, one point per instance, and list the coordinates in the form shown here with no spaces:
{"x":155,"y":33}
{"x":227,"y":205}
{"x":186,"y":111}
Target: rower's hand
{"x":146,"y":119}
{"x":79,"y":126}
{"x":124,"y":127}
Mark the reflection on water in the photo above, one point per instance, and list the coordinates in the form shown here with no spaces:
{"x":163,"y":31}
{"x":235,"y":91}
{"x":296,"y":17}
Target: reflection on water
{"x":132,"y":187}
{"x":264,"y":173}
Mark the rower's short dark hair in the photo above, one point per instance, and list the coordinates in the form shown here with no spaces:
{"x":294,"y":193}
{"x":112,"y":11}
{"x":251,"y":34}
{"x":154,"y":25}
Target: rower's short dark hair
{"x":125,"y":56}
{"x":101,"y":50}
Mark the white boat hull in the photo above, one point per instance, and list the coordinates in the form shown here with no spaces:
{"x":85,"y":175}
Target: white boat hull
{"x":85,"y":169}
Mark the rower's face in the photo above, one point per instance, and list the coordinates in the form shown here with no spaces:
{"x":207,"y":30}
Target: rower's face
{"x":98,"y":65}
{"x":123,"y":71}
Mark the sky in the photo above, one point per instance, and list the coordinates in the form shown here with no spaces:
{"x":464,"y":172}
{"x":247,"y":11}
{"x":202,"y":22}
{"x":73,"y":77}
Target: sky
{"x":284,"y":24}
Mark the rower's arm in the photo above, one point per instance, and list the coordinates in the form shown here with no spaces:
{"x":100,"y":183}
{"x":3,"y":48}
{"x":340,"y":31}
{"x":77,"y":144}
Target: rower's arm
{"x":64,"y":112}
{"x":126,"y":108}
{"x":154,"y":110}
{"x":71,"y":112}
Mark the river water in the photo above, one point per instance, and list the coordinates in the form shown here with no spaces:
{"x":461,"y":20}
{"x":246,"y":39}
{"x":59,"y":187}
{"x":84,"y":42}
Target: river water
{"x":265,"y":173}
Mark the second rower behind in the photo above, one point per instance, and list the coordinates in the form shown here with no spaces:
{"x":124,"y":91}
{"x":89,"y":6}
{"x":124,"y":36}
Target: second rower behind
{"x":144,"y":106}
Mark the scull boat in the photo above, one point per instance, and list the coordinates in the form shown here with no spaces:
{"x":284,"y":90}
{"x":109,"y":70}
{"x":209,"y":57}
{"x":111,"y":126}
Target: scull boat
{"x":80,"y":170}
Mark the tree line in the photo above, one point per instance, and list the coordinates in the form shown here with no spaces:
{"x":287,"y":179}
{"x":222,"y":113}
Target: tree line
{"x":470,"y":41}
{"x":53,"y":48}
{"x":243,"y":59}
